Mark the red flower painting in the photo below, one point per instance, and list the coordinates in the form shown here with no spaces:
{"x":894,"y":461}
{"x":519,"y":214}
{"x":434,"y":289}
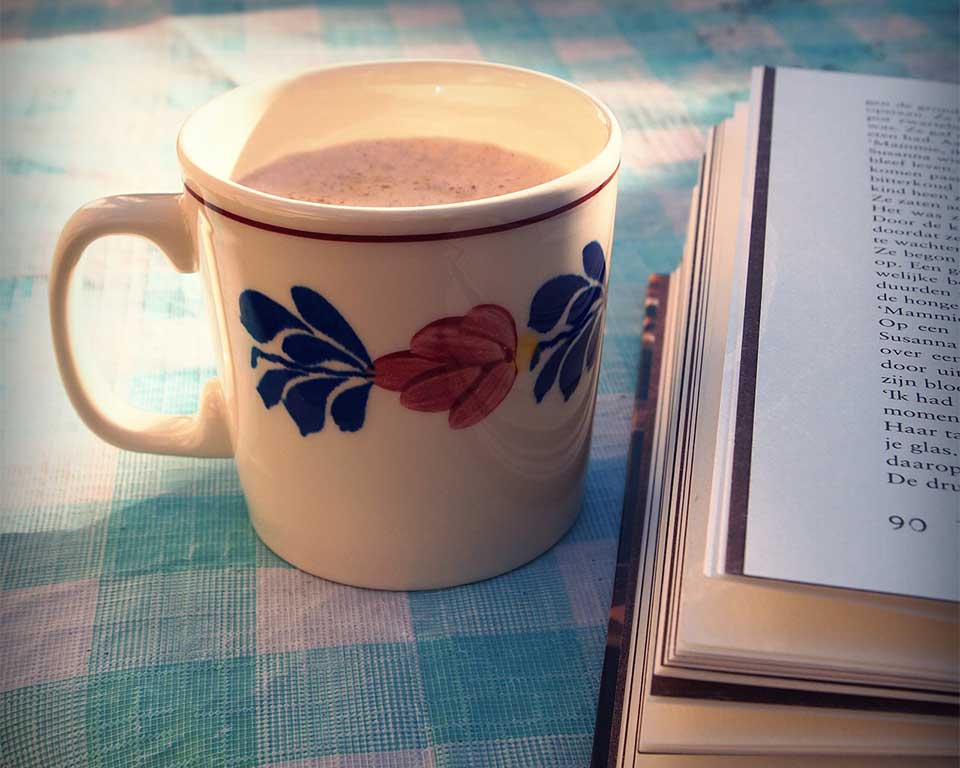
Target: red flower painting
{"x":465,"y":365}
{"x":315,"y":364}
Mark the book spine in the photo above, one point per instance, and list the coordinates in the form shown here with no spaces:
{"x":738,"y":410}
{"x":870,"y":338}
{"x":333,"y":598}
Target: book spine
{"x":610,"y":700}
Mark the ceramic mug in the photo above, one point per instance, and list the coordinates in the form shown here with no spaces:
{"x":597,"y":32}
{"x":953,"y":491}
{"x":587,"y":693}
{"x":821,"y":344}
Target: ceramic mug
{"x":408,"y":392}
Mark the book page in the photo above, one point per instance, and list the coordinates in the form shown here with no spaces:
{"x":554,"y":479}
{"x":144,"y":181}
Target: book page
{"x":845,"y":463}
{"x":760,"y":626}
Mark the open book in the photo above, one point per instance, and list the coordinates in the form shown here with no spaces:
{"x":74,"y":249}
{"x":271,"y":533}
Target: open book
{"x":787,"y":579}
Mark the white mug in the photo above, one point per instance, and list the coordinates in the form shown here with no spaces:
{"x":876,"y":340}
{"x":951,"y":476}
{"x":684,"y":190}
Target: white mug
{"x":408,"y":392}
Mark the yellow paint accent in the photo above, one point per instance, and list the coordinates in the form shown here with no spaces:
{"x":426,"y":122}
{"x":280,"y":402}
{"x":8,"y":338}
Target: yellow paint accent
{"x":526,"y":343}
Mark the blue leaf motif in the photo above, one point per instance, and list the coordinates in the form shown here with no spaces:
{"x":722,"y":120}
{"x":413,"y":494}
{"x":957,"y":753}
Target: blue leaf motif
{"x":572,"y":368}
{"x":582,"y":304}
{"x":264,"y":318}
{"x":551,"y":300}
{"x":535,"y":358}
{"x":299,"y":376}
{"x":594,"y":341}
{"x":323,"y":316}
{"x":579,"y":298}
{"x":307,"y":403}
{"x":257,"y":354}
{"x":349,"y":408}
{"x":593,"y":262}
{"x":272,"y":384}
{"x":309,"y":350}
{"x":549,"y":373}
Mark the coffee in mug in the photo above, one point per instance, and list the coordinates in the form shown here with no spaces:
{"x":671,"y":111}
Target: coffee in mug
{"x":423,"y":170}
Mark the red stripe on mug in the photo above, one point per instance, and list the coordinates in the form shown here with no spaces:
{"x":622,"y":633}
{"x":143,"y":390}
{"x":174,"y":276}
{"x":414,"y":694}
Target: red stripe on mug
{"x":421,"y":238}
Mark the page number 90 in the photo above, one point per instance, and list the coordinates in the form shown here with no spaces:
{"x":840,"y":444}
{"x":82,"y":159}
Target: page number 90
{"x":914,"y":523}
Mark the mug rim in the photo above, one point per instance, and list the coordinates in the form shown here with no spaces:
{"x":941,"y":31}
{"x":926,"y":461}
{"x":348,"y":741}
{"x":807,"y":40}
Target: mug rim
{"x":439,"y":221}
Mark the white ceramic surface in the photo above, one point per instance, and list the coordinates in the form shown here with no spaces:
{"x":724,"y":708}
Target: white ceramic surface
{"x":384,"y":495}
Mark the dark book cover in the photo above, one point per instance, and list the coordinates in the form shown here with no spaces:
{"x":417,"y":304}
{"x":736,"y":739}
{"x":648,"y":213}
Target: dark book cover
{"x":617,"y":653}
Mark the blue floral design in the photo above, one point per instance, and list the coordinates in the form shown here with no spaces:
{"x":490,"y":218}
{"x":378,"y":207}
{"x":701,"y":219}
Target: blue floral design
{"x":571,"y":308}
{"x":314,"y":360}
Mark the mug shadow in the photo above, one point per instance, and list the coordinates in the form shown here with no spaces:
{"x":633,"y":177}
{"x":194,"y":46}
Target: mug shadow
{"x":199,"y":521}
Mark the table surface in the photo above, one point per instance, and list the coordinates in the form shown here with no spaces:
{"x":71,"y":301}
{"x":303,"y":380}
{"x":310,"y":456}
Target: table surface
{"x":141,"y":621}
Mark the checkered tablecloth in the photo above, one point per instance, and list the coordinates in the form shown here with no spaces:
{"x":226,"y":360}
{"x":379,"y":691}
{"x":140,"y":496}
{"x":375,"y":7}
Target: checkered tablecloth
{"x":142,"y":623}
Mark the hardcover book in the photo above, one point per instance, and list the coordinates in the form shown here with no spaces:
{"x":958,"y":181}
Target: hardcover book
{"x":787,"y":579}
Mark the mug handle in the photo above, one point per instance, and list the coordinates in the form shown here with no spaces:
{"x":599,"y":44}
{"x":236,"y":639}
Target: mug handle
{"x":158,"y":218}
